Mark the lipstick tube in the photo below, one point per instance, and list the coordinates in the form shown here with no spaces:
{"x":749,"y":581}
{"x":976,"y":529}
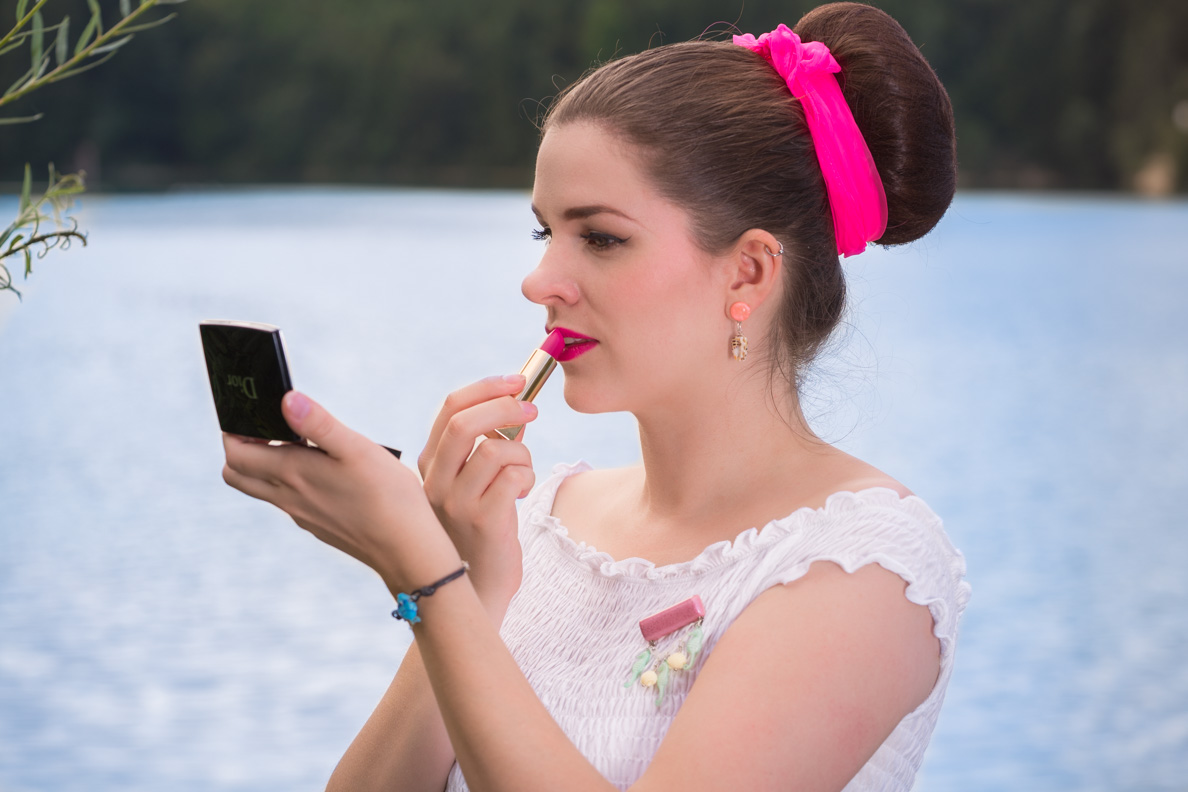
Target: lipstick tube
{"x":536,"y":371}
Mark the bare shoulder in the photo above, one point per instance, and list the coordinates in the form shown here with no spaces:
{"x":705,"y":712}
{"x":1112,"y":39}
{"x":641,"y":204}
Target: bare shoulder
{"x":852,"y":474}
{"x":878,"y":481}
{"x":593,"y":491}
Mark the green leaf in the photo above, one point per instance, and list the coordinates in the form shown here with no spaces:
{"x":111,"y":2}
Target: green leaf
{"x":45,"y":64}
{"x":21,"y":5}
{"x":19,"y":82}
{"x":96,"y":14}
{"x":125,"y":7}
{"x":87,"y":34}
{"x":82,"y":69}
{"x":11,"y":47}
{"x":36,"y":43}
{"x":149,"y":25}
{"x":114,"y":45}
{"x":21,"y":119}
{"x":28,"y":262}
{"x":61,"y":45}
{"x":27,"y":187}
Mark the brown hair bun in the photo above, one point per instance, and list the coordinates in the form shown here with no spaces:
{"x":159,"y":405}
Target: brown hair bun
{"x":901,"y":107}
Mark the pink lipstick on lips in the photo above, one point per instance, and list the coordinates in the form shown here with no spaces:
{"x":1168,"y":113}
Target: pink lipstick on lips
{"x":536,"y":371}
{"x":575,"y":344}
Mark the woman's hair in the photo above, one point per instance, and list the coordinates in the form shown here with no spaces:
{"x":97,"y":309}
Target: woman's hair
{"x":720,"y":136}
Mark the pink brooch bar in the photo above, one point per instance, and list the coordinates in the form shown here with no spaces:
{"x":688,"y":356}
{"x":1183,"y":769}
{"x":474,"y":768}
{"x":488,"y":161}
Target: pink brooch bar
{"x":669,"y":620}
{"x":653,"y":666}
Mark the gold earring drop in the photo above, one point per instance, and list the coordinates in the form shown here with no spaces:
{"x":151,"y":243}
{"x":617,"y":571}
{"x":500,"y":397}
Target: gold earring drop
{"x":738,"y":345}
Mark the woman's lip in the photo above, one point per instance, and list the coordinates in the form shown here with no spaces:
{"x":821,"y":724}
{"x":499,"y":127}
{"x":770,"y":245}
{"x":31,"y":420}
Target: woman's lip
{"x":573,"y":350}
{"x":583,"y":344}
{"x":565,"y":331}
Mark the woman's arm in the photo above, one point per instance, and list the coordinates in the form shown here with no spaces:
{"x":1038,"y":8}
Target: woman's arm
{"x":404,"y":745}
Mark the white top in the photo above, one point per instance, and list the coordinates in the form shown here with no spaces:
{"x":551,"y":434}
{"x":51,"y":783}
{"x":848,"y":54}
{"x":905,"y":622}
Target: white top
{"x":573,"y":626}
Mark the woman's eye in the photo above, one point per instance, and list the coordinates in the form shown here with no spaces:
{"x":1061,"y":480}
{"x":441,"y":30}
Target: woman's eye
{"x":600,"y":241}
{"x":541,"y":234}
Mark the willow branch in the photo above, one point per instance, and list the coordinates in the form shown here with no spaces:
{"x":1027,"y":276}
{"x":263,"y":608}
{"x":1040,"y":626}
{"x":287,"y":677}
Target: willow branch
{"x":74,"y":65}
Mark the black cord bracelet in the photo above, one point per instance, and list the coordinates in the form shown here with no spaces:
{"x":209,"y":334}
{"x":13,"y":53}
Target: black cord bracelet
{"x":406,"y":604}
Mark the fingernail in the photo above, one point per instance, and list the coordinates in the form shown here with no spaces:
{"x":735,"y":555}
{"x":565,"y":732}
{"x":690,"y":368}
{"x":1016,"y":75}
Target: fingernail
{"x":298,"y":404}
{"x":529,"y":409}
{"x":513,"y":379}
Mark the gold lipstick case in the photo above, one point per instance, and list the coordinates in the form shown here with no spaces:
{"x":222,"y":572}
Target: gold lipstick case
{"x":535,"y":371}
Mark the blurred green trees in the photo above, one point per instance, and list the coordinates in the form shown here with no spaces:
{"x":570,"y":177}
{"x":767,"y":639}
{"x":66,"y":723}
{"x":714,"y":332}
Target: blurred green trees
{"x":1048,"y":93}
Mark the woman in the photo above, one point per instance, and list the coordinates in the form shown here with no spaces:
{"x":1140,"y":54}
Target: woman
{"x":693,"y":220}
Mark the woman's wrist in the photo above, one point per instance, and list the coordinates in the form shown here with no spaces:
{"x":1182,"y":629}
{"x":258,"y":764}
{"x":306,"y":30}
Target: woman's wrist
{"x":424,"y":555}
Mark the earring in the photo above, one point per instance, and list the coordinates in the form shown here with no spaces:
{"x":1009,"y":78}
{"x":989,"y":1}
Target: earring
{"x":775,"y":255}
{"x":738,"y":345}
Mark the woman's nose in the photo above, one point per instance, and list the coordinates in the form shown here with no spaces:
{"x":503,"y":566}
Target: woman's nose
{"x":550,"y":284}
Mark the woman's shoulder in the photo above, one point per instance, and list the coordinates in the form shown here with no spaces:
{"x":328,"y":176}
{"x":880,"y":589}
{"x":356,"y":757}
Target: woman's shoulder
{"x":856,"y":476}
{"x":582,"y":488}
{"x":845,"y":473}
{"x":862,"y":514}
{"x":577,"y":487}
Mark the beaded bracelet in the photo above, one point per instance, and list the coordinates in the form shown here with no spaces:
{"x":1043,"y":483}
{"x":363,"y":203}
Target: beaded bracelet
{"x":406,"y":604}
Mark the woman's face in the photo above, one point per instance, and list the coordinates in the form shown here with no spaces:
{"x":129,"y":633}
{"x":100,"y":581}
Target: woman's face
{"x":621,"y":267}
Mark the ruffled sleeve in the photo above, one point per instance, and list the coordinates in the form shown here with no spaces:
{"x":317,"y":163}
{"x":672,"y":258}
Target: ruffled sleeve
{"x":876,"y":526}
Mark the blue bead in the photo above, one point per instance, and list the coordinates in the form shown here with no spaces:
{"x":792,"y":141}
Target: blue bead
{"x":406,"y":608}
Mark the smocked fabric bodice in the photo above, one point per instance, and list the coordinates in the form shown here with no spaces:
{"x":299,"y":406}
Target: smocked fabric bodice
{"x":573,"y":626}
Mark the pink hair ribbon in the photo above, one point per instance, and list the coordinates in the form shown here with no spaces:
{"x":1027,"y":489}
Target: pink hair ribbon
{"x":856,"y":195}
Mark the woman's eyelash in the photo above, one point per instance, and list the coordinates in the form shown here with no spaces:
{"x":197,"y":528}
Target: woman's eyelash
{"x":595,"y":239}
{"x":601,"y":241}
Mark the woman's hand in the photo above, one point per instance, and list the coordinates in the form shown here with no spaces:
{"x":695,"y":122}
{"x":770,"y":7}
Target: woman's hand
{"x":473,"y":490}
{"x":349,"y":492}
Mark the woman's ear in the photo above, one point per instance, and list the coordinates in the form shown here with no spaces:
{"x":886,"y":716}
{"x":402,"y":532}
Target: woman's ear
{"x":756,"y":262}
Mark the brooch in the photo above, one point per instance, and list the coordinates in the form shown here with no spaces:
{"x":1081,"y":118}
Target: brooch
{"x":651,"y":667}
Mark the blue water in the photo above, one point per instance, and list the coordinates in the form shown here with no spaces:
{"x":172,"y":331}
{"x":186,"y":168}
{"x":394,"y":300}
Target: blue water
{"x":1024,"y":368}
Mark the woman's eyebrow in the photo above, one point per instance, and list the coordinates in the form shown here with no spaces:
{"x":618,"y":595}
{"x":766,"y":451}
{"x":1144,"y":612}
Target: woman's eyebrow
{"x":583,"y":212}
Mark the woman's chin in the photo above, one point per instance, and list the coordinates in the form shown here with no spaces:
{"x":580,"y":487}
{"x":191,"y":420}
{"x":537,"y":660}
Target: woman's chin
{"x":590,"y":401}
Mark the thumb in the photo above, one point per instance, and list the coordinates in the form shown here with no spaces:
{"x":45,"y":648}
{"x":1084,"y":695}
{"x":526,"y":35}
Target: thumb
{"x":311,"y":421}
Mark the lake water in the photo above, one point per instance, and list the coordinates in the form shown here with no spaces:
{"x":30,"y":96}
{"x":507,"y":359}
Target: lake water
{"x":1024,"y":368}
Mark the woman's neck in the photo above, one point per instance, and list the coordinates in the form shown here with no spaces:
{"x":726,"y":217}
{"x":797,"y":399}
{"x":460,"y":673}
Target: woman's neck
{"x":703,"y":456}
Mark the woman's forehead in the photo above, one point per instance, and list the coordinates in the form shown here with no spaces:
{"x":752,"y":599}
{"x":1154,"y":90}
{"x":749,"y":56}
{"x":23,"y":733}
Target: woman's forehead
{"x":580,"y":166}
